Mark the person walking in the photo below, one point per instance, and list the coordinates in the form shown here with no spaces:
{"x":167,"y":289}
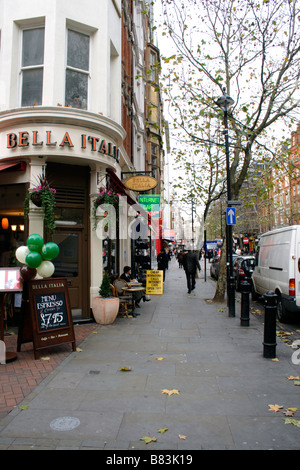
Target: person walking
{"x":162,"y":262}
{"x":190,"y":264}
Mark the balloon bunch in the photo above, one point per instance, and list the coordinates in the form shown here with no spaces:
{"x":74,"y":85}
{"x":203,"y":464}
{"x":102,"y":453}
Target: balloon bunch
{"x":37,"y":256}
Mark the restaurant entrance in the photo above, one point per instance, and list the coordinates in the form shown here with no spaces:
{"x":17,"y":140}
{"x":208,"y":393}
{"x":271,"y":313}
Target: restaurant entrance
{"x":71,"y":263}
{"x":72,"y":232}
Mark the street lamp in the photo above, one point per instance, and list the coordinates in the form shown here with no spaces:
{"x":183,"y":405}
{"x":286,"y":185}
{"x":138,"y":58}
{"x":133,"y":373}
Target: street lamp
{"x":225,"y":102}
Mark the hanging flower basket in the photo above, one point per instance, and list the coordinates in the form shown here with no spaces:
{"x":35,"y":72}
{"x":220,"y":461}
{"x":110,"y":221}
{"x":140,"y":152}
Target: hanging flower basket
{"x":104,"y":197}
{"x":43,"y":196}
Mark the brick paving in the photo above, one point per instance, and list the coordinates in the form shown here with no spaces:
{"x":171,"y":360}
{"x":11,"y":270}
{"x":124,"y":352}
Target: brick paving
{"x":19,"y":378}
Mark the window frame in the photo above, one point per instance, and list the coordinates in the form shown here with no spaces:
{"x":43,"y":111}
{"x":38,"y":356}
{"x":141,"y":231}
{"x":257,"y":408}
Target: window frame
{"x":75,"y":69}
{"x":23,"y":69}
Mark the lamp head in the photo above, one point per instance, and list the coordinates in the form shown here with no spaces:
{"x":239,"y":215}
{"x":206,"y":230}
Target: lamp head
{"x":225,"y":101}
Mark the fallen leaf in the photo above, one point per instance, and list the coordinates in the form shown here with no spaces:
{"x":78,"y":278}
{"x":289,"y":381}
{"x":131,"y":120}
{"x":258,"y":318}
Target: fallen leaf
{"x":148,"y":439}
{"x":24,"y":407}
{"x":275,"y":408}
{"x":170,"y":392}
{"x":275,"y":360}
{"x":126,"y":369}
{"x":95,"y":332}
{"x":297,"y":382}
{"x":162,"y":430}
{"x":181,"y":436}
{"x":288,"y":413}
{"x":295,"y":422}
{"x":78,"y":350}
{"x":159,"y":358}
{"x":291,"y":377}
{"x":45,"y":358}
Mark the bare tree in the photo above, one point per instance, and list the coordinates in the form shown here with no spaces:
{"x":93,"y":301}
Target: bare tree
{"x":253,"y":50}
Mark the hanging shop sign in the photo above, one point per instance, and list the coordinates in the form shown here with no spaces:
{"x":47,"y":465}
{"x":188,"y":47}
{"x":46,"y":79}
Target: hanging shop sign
{"x":154,"y":282}
{"x":140,"y":183}
{"x":25,"y":139}
{"x":151,"y":204}
{"x":46,"y":318}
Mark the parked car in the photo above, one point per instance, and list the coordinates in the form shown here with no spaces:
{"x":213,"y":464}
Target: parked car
{"x":277,"y":269}
{"x":215,"y":267}
{"x":242,"y":269}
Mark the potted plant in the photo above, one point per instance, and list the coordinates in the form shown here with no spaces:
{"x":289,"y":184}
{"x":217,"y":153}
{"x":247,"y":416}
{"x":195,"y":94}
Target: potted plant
{"x":104,"y":197}
{"x":43,"y":196}
{"x":105,"y":307}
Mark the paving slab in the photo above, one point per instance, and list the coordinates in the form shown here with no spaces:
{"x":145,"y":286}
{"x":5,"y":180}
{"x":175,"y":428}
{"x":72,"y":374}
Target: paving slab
{"x":192,"y":370}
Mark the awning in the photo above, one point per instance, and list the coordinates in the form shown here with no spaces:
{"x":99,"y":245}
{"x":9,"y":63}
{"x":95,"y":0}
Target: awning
{"x":16,"y":166}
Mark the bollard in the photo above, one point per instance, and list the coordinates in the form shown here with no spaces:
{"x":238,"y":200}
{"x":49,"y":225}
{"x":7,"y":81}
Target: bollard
{"x":245,"y":303}
{"x":270,"y":325}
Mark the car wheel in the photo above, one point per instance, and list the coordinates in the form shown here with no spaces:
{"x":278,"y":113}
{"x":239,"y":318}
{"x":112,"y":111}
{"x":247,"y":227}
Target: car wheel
{"x":281,"y":311}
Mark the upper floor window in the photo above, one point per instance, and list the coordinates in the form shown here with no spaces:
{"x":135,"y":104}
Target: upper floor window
{"x":32,"y":66}
{"x":78,"y":70}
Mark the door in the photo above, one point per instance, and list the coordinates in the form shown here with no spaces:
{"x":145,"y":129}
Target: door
{"x":71,"y":263}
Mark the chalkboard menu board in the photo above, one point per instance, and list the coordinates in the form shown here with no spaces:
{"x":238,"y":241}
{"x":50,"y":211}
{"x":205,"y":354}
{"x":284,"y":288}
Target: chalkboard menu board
{"x":46,"y":314}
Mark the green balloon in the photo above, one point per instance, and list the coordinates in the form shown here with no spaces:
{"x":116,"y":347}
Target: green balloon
{"x":35,"y":242}
{"x":33,"y":259}
{"x":50,"y":251}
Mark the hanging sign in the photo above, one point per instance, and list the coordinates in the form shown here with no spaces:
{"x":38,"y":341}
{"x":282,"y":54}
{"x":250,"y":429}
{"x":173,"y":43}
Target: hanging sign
{"x":151,"y":204}
{"x":47,"y":320}
{"x":140,"y":183}
{"x":154,"y":282}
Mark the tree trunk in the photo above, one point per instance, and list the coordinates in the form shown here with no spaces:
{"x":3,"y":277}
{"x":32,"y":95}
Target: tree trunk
{"x":221,"y":283}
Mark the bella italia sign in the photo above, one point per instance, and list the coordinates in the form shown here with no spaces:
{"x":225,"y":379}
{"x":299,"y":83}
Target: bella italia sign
{"x":95,"y":144}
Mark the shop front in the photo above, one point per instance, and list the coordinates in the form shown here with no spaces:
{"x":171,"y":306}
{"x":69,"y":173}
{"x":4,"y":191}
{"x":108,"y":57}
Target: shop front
{"x":77,"y":153}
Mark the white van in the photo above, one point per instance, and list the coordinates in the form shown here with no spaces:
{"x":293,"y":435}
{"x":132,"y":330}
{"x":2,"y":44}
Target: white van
{"x":277,"y":269}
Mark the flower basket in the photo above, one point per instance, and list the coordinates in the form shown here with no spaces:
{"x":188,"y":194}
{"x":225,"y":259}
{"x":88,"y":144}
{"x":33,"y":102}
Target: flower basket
{"x":43,"y":196}
{"x":104,"y":197}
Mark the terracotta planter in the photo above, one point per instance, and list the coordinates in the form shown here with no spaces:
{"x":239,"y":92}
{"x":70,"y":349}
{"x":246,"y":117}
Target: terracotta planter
{"x":105,"y":310}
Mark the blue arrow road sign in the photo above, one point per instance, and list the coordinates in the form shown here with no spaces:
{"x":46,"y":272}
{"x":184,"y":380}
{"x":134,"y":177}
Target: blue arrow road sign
{"x":231,"y":216}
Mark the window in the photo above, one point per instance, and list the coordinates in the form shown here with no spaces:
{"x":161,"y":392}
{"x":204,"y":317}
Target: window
{"x":77,"y":72}
{"x":32,"y":66}
{"x":153,"y":66}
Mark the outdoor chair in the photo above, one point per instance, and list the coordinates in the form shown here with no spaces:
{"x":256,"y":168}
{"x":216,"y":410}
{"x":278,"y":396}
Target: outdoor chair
{"x":125,"y":300}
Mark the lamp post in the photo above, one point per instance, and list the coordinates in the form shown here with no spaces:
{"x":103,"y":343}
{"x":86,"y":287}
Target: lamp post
{"x":225,"y":102}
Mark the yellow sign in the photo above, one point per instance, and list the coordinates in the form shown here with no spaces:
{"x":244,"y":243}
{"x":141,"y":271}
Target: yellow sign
{"x":140,"y":183}
{"x":154,"y":282}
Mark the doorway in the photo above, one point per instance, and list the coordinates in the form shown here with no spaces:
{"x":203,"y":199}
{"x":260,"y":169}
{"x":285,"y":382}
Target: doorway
{"x":71,"y":263}
{"x":72,"y":233}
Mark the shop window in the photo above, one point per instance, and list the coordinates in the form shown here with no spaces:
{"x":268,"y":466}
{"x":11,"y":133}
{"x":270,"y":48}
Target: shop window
{"x":32,"y":67}
{"x":78,"y":70}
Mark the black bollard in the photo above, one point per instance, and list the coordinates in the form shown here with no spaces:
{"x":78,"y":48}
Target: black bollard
{"x":245,"y":303}
{"x":270,"y":325}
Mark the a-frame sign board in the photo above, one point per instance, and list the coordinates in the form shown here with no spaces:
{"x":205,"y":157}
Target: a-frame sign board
{"x":46,"y":318}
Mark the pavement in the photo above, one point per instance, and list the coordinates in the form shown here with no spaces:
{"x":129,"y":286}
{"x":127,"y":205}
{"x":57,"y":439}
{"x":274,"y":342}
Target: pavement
{"x":182,"y":376}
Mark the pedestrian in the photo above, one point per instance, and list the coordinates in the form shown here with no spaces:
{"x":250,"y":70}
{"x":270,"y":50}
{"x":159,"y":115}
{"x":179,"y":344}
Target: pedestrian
{"x":137,"y":296}
{"x":162,"y":262}
{"x":190,"y":264}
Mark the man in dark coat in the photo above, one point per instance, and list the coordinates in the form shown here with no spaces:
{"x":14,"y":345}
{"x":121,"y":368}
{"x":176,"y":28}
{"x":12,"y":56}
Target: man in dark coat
{"x":190,"y":264}
{"x":162,"y":262}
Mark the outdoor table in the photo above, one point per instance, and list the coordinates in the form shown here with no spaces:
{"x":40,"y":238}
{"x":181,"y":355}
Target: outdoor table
{"x":132,"y":290}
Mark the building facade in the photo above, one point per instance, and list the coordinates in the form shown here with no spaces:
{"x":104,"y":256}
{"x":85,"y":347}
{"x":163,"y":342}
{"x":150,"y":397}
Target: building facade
{"x":71,"y":112}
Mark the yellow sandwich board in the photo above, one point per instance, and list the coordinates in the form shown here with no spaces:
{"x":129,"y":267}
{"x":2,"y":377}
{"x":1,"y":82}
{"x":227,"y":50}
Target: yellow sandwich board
{"x":154,"y":282}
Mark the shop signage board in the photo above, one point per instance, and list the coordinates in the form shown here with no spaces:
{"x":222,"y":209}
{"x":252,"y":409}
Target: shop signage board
{"x":47,"y":318}
{"x":151,"y":204}
{"x":154,"y":282}
{"x":10,"y":280}
{"x":141,"y":183}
